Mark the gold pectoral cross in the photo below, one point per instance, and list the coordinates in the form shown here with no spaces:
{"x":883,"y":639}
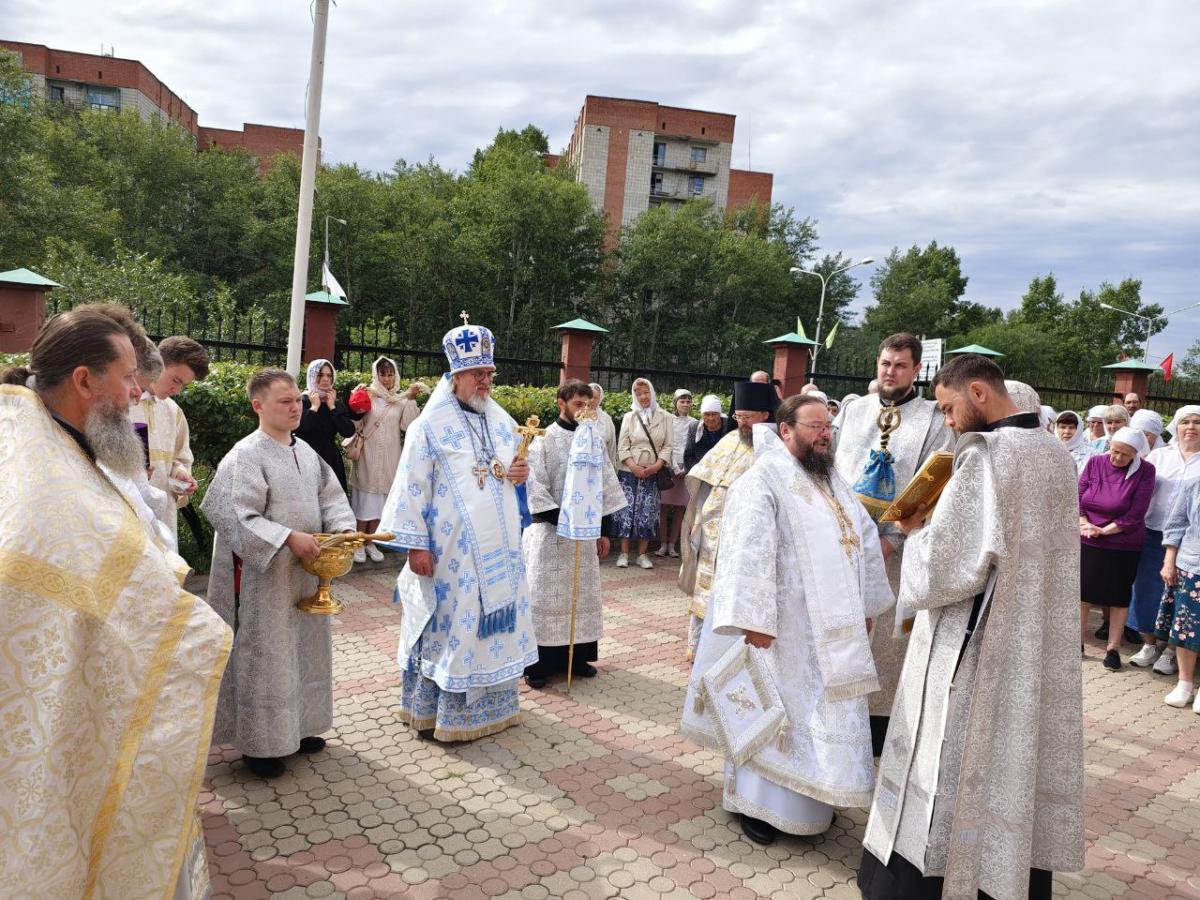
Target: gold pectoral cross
{"x":480,"y":473}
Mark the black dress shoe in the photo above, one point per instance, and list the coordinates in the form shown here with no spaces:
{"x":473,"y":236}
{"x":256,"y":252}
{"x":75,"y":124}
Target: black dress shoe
{"x":537,"y":682}
{"x":425,"y":734}
{"x":1132,"y":636}
{"x":1102,"y":631}
{"x":1112,"y":660}
{"x":585,"y":670}
{"x":758,"y":831}
{"x":312,"y":745}
{"x":265,"y":766}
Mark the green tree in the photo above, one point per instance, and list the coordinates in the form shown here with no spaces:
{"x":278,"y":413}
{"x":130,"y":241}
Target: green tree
{"x":921,"y":292}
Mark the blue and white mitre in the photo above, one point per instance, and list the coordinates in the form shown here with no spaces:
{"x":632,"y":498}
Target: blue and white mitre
{"x":469,"y":347}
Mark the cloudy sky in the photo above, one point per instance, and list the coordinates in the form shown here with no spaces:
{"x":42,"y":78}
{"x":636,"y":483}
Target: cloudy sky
{"x":1032,"y":136}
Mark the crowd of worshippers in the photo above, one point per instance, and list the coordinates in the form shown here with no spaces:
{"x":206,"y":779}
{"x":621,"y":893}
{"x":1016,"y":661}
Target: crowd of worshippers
{"x":912,"y":668}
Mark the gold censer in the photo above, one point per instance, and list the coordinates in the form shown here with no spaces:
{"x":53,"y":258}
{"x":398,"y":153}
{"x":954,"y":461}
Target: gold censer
{"x":337,"y":556}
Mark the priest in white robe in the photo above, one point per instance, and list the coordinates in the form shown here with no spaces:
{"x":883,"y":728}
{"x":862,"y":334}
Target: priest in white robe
{"x":270,"y":495}
{"x":467,"y":633}
{"x":108,"y":668}
{"x":857,"y":446}
{"x":550,"y":559}
{"x":980,"y":786}
{"x":799,"y":576}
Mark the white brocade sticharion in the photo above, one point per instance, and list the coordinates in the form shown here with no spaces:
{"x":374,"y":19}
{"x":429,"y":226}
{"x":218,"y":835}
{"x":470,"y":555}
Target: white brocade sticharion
{"x":170,"y":451}
{"x":279,"y":684}
{"x":550,"y":559}
{"x":108,"y":680}
{"x":783,"y":571}
{"x":922,"y":432}
{"x":474,"y":535}
{"x":989,"y":723}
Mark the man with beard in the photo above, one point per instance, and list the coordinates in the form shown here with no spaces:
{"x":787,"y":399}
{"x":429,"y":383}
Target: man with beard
{"x":550,"y":559}
{"x":980,"y":788}
{"x":108,"y":668}
{"x":272,"y":493}
{"x":799,"y":577}
{"x":708,"y":484}
{"x":466,"y":634}
{"x":879,"y":470}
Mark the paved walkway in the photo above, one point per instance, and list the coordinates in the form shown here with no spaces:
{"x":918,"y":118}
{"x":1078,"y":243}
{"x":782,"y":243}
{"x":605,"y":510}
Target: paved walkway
{"x":595,"y":795}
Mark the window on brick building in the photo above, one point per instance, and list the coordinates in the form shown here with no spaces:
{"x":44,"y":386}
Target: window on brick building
{"x":660,"y":154}
{"x":103,"y":98}
{"x":699,"y":154}
{"x":696,"y":184}
{"x":57,"y":94}
{"x":656,"y":183}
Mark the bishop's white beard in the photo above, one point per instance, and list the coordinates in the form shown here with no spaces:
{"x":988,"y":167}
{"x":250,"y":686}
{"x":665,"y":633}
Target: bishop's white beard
{"x":113,"y":440}
{"x":477,"y":403}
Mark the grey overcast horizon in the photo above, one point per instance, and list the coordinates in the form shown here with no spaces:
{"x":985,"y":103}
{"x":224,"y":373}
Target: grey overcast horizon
{"x":1034,"y":137}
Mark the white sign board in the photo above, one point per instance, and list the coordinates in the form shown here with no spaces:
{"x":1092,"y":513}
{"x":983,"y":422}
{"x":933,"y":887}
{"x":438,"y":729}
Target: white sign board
{"x":931,"y":358}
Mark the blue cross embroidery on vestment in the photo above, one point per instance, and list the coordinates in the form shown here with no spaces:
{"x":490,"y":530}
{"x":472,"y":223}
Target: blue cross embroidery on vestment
{"x":468,"y":621}
{"x":467,"y":341}
{"x":464,"y":542}
{"x":454,"y":643}
{"x":524,"y":641}
{"x":441,"y":590}
{"x":454,"y":565}
{"x":466,"y":581}
{"x":415,"y":490}
{"x":453,"y":436}
{"x":447,"y":527}
{"x":495,"y":647}
{"x":590,"y":515}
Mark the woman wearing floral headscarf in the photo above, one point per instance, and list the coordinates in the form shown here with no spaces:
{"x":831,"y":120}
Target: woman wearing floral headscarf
{"x":1068,"y":426}
{"x":644,"y":448}
{"x":382,"y":429}
{"x":323,"y":418}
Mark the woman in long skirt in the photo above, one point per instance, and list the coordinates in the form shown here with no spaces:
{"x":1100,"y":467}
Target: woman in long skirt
{"x":644,"y":447}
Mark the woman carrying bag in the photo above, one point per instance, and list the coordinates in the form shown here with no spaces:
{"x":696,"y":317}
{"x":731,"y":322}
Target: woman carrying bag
{"x":644,"y":448}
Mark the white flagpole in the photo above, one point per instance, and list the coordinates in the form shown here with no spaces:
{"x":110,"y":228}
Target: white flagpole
{"x":308,"y":179}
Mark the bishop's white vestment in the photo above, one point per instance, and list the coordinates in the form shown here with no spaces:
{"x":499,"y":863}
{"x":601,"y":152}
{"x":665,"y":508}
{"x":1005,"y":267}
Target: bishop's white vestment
{"x":922,"y":431}
{"x":278,"y":687}
{"x":804,"y":567}
{"x":981,"y":778}
{"x":467,"y":631}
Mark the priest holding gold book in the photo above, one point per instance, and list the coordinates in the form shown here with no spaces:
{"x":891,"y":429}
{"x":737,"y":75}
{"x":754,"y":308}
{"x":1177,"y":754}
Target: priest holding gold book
{"x":880,"y":441}
{"x":980,"y":784}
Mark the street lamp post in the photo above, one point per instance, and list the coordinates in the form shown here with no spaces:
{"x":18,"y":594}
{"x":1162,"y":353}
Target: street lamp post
{"x":824,"y":282}
{"x":1150,"y":319}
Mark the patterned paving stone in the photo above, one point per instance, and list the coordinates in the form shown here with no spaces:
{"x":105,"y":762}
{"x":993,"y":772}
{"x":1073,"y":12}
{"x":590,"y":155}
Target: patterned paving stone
{"x":595,"y":795}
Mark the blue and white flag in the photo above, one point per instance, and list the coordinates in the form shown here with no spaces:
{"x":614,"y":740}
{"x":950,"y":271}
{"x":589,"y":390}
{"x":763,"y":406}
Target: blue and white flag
{"x":583,"y":490}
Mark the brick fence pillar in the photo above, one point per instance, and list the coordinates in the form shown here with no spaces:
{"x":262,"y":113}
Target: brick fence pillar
{"x":22,"y":308}
{"x":791,"y":361}
{"x":1130,"y":376}
{"x":578,"y":336}
{"x":320,"y":325}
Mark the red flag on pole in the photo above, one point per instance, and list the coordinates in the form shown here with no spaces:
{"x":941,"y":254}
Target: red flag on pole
{"x":1167,"y":364}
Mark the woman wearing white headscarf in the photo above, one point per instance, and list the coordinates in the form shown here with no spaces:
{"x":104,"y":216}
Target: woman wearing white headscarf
{"x":1175,"y":464}
{"x":323,"y":417}
{"x":1114,"y":494}
{"x":673,"y":502}
{"x":382,"y":431}
{"x":1149,"y":423}
{"x":1069,"y":428}
{"x":644,"y":448}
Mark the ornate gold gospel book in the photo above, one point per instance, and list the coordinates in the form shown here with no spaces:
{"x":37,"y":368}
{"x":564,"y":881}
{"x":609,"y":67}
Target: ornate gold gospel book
{"x":925,"y":487}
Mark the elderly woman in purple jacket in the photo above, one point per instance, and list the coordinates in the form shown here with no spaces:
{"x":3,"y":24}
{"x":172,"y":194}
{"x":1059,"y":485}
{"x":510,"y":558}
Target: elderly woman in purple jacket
{"x":1114,"y":493}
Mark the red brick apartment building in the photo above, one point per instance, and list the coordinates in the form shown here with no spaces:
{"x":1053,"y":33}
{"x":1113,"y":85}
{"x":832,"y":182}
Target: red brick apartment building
{"x":108,"y":82}
{"x":633,"y":154}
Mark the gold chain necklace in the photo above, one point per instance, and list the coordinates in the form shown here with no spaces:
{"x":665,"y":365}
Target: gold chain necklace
{"x":846,"y":536}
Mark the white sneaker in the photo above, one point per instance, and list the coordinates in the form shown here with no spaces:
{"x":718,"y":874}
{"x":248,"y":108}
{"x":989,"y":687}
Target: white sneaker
{"x":360,"y":556}
{"x":623,"y":561}
{"x":1144,"y":657}
{"x":644,"y":562}
{"x":1166,"y":664}
{"x":672,"y":552}
{"x":661,"y":551}
{"x":1196,"y":705}
{"x":1183,"y":694}
{"x":374,"y":554}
